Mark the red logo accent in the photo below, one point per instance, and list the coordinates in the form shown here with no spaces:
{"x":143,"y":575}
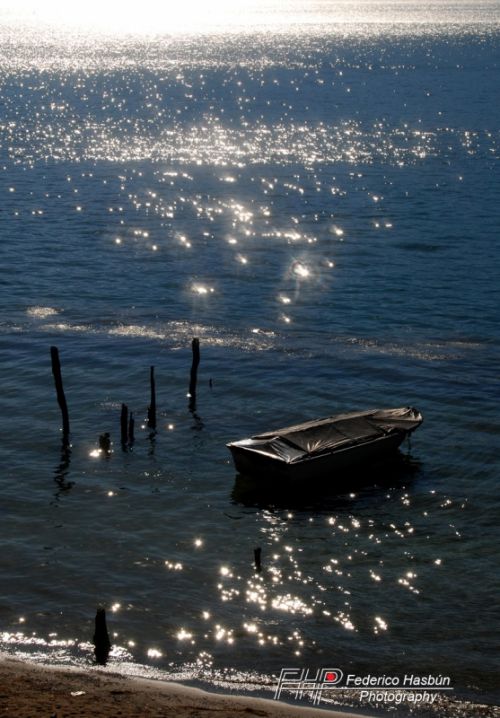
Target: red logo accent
{"x":331,"y":676}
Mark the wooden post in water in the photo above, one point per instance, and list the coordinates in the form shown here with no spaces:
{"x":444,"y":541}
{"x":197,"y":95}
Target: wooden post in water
{"x":257,"y":556}
{"x":105,"y":443}
{"x":61,"y":398}
{"x":102,"y":644}
{"x":124,"y":426}
{"x":152,"y":405}
{"x":195,"y":346}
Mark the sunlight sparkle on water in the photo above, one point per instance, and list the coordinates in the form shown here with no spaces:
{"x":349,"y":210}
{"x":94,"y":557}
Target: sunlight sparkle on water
{"x":291,"y":604}
{"x":300,"y":270}
{"x":193,"y":16}
{"x":381,"y":625}
{"x":154,"y":653}
{"x":201,"y":289}
{"x":250,"y":627}
{"x":41,"y":312}
{"x":125,"y":16}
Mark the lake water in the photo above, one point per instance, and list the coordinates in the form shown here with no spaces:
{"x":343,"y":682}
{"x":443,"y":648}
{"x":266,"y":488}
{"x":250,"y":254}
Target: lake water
{"x":314,"y":196}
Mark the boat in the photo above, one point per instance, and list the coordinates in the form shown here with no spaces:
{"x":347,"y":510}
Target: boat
{"x":327,"y":446}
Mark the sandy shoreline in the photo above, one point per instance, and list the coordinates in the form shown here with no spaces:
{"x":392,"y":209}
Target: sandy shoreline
{"x":28,"y":690}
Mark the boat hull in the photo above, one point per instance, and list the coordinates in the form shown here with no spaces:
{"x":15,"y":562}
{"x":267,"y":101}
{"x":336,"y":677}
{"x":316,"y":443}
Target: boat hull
{"x":328,"y":464}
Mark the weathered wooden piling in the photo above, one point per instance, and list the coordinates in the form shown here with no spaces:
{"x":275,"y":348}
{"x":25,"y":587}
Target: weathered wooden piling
{"x":124,"y":425}
{"x":195,"y":346}
{"x":102,"y":644}
{"x":152,"y":405}
{"x":257,"y":553}
{"x":61,"y":398}
{"x":131,"y":425}
{"x":105,"y":443}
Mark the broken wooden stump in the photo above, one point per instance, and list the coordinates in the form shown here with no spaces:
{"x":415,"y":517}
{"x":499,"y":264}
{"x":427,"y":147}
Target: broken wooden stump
{"x":61,"y":398}
{"x":124,"y":426}
{"x":105,"y":443}
{"x":102,"y":644}
{"x":195,"y":346}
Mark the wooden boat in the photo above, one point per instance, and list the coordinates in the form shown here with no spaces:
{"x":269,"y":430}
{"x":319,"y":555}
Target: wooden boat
{"x":325,"y":446}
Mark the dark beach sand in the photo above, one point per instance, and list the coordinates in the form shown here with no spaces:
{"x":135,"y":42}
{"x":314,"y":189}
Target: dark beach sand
{"x":32,"y":691}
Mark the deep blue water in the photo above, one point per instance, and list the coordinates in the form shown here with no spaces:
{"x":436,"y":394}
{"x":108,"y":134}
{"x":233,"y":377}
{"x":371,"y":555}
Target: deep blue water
{"x":320,"y":208}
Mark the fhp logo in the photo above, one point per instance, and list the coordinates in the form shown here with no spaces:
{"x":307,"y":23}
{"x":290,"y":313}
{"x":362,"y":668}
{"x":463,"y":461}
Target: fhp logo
{"x":301,"y":682}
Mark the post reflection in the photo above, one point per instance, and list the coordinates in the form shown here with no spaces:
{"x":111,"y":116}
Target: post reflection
{"x":62,"y":470}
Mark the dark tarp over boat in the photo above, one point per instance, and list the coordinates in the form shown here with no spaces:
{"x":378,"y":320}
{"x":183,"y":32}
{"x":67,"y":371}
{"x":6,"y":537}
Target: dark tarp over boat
{"x":324,"y":445}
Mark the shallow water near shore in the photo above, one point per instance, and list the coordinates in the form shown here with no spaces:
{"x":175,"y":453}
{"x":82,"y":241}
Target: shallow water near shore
{"x":318,"y":204}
